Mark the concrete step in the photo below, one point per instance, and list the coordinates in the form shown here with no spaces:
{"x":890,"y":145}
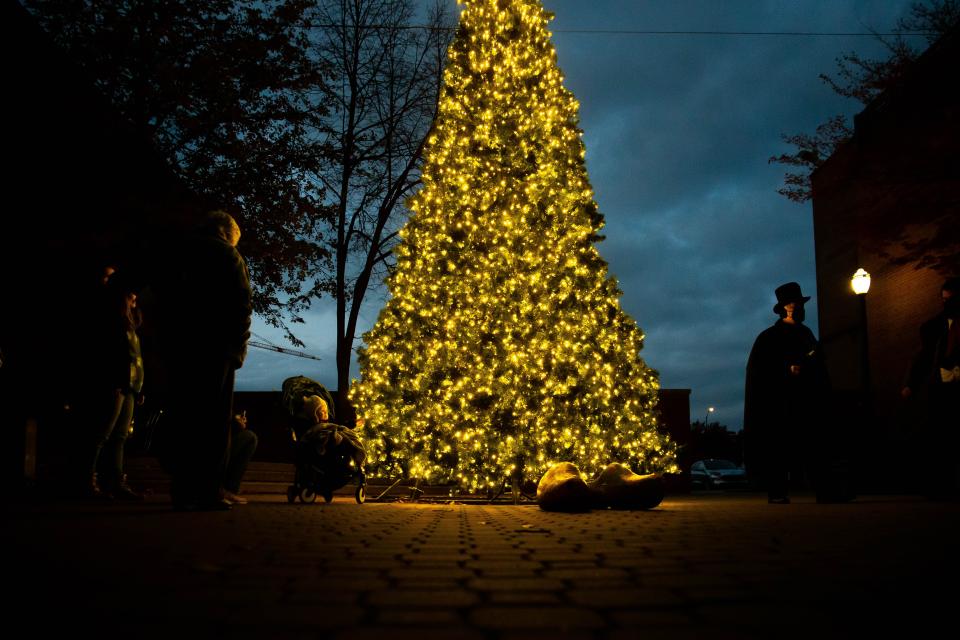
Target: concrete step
{"x":268,"y":478}
{"x":261,"y":477}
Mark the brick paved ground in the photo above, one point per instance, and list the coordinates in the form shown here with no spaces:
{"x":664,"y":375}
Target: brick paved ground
{"x":698,"y":566}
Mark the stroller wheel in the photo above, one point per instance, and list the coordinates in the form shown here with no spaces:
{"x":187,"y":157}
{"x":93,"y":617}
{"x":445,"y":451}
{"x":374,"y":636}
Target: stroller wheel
{"x":308,"y":495}
{"x":291,"y":494}
{"x":361,"y":495}
{"x":328,"y":496}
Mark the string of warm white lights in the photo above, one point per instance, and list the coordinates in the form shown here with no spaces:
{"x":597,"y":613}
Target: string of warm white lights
{"x":503,"y":348}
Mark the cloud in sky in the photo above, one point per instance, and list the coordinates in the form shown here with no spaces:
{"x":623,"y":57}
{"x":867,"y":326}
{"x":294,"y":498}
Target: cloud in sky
{"x":678,"y":130}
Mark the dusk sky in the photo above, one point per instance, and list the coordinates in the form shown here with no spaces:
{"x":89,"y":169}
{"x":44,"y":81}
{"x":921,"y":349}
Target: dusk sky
{"x":678,"y":129}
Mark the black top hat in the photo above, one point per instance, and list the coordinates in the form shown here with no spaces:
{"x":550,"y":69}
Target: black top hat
{"x":787,"y":293}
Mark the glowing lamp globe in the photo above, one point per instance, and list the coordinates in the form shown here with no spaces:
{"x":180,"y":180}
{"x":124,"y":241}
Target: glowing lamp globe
{"x":860,"y":282}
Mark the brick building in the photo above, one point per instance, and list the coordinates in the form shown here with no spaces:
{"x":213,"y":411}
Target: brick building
{"x":888,"y":201}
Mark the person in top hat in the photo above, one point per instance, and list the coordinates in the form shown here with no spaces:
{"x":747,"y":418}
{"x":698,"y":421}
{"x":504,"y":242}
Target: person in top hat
{"x":787,"y":390}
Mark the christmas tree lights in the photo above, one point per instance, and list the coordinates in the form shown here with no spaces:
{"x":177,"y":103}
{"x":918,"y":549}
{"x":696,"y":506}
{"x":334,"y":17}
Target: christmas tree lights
{"x":503,"y":348}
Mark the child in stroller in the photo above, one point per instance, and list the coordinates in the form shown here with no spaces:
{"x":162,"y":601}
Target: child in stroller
{"x":327,"y":455}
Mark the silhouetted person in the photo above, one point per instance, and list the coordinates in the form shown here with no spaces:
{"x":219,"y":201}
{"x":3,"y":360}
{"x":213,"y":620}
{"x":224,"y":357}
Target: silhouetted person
{"x":786,"y":395}
{"x":934,"y":376}
{"x":116,"y":390}
{"x":207,"y":308}
{"x":95,"y":353}
{"x":243,"y":444}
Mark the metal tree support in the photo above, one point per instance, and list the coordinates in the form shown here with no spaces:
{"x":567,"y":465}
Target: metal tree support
{"x":415,"y":490}
{"x":385,"y":491}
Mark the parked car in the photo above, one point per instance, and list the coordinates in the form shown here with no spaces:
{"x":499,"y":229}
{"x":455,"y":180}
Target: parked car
{"x":717,"y":474}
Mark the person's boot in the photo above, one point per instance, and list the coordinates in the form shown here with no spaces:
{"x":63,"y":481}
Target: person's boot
{"x":233,"y":498}
{"x":123,"y":492}
{"x":91,"y":490}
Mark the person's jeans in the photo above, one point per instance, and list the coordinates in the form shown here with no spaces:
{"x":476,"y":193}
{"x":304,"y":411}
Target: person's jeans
{"x":199,"y":430}
{"x":111,"y":438}
{"x":242,"y":446}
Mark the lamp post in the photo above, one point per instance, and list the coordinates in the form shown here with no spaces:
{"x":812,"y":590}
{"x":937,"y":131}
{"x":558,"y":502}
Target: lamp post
{"x":860,"y":283}
{"x":706,"y":420}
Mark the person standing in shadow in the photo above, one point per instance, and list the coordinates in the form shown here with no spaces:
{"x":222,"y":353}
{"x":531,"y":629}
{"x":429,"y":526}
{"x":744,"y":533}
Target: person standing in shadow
{"x":117,"y":391}
{"x":787,"y":391}
{"x":243,"y":444}
{"x":934,"y":379}
{"x":206,"y":304}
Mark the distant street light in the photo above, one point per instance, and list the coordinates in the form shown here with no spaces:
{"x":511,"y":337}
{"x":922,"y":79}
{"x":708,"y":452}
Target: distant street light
{"x":706,"y":420}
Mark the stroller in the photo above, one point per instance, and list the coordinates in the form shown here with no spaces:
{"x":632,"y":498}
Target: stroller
{"x":327,"y":455}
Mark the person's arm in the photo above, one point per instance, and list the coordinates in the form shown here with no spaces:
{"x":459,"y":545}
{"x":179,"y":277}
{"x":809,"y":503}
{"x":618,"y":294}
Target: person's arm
{"x":244,"y":307}
{"x":237,"y":307}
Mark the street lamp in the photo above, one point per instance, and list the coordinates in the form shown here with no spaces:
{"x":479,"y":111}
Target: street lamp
{"x":860,"y":283}
{"x":706,"y":420}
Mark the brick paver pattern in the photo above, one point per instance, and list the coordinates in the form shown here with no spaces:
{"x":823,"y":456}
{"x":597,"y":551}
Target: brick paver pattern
{"x":695,"y":566}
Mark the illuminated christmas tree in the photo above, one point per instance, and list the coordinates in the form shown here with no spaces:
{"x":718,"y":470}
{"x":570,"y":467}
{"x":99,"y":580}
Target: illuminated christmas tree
{"x":503,"y":348}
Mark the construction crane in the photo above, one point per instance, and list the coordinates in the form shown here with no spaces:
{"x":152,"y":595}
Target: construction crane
{"x":263,"y":343}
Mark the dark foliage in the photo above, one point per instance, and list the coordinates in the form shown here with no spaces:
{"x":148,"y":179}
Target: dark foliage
{"x":714,"y":440}
{"x":226,"y":91}
{"x":861,"y":79}
{"x":386,"y":64}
